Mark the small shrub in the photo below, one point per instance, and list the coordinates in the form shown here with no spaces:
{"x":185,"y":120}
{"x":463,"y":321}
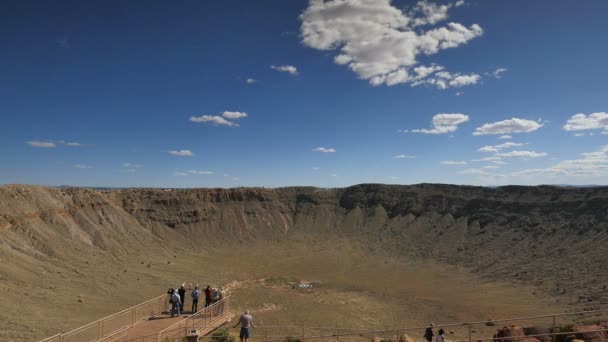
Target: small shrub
{"x":222,"y":335}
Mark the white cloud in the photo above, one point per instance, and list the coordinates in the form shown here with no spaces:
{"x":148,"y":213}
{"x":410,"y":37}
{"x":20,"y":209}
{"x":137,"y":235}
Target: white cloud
{"x":521,"y":154}
{"x":580,"y":121}
{"x":290,"y":69}
{"x":444,"y":123}
{"x":496,"y":148}
{"x":404,"y":156}
{"x":498,"y":72}
{"x":464,"y":80}
{"x":504,"y":137}
{"x":234,"y":115}
{"x":42,"y":144}
{"x":195,"y":172}
{"x":251,"y":81}
{"x":591,"y":164}
{"x":324,"y":150}
{"x":453,"y":162}
{"x":181,"y":153}
{"x":514,"y":125}
{"x":459,"y":93}
{"x":494,"y":158}
{"x":82,"y":166}
{"x":380,"y":42}
{"x":180,"y":174}
{"x":316,"y":168}
{"x":214,"y":119}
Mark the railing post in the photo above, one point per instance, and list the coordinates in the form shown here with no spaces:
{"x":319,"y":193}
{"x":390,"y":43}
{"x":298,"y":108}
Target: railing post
{"x":100,"y":329}
{"x":554,"y":328}
{"x":302,"y":339}
{"x":470,"y":332}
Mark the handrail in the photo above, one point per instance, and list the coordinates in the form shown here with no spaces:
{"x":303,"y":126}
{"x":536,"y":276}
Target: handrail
{"x":363,"y":332}
{"x":215,"y":311}
{"x":97,"y":330}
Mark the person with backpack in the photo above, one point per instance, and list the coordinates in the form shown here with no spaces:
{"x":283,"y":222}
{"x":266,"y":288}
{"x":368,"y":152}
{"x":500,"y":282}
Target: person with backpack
{"x":176,"y":304}
{"x":195,"y":294}
{"x":182,"y":296}
{"x":428,"y":333}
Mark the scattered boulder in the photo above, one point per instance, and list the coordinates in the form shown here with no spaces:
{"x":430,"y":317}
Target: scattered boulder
{"x":513,"y":333}
{"x":539,"y":331}
{"x":585,"y":332}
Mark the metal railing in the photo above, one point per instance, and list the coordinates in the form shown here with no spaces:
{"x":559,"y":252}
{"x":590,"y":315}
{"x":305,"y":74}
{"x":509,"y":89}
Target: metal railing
{"x":113,"y":324}
{"x":553,"y":326}
{"x":200,"y":320}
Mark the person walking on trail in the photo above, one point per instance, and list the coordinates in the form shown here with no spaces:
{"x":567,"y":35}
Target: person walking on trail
{"x":246,"y":322}
{"x":195,"y":294}
{"x":182,"y":296}
{"x":176,"y":304}
{"x":428,"y":333}
{"x":208,"y":295}
{"x":440,"y":337}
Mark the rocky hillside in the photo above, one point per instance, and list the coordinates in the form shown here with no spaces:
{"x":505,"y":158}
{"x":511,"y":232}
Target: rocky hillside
{"x":552,"y":237}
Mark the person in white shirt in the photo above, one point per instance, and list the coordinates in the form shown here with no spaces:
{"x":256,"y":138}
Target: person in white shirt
{"x":440,"y":337}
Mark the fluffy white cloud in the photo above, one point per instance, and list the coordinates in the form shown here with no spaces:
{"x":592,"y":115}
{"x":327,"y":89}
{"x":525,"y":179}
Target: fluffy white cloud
{"x":42,"y":144}
{"x":521,"y":154}
{"x":234,"y":115}
{"x":181,"y":153}
{"x":444,"y":123}
{"x":496,"y":148}
{"x":220,"y":120}
{"x":453,"y":162}
{"x":82,"y":166}
{"x":404,"y":156}
{"x":514,"y":125}
{"x":251,"y":81}
{"x":380,"y":42}
{"x":290,"y":69}
{"x":579,"y":122}
{"x":213,"y":119}
{"x":324,"y":150}
{"x":504,"y":137}
{"x":591,"y":164}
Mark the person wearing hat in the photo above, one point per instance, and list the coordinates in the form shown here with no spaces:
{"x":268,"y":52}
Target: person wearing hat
{"x":182,"y":296}
{"x":428,"y":333}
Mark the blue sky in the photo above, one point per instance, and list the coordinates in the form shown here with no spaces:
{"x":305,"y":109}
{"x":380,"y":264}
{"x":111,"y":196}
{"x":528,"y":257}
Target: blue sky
{"x":280,"y":93}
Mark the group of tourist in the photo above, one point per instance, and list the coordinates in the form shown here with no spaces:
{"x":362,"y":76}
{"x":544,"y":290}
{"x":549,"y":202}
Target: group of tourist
{"x":177,"y":298}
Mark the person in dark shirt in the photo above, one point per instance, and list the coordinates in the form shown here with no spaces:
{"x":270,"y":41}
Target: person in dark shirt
{"x":208,"y":291}
{"x":428,"y":333}
{"x":182,"y":296}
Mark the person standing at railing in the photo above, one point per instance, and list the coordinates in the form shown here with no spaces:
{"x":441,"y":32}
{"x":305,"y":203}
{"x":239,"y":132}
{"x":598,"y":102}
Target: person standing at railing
{"x":208,"y":295}
{"x":175,"y":304}
{"x":182,"y":296}
{"x":428,"y":333}
{"x":195,"y":294}
{"x":246,"y":322}
{"x":440,"y":337}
